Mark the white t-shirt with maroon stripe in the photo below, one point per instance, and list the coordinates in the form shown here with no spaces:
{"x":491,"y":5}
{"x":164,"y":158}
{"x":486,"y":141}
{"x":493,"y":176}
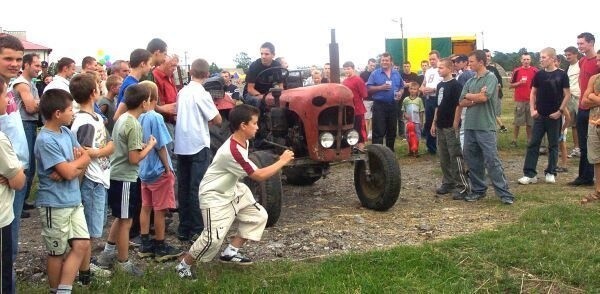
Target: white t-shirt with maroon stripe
{"x":221,"y":182}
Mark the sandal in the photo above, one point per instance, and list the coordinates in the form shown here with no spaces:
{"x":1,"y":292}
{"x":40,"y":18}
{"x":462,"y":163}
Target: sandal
{"x":595,"y":196}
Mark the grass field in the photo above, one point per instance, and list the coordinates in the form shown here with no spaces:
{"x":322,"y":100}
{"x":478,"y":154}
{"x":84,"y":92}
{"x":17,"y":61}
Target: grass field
{"x":553,"y":247}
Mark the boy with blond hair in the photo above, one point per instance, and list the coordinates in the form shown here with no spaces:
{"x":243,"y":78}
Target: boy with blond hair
{"x":158,"y":181}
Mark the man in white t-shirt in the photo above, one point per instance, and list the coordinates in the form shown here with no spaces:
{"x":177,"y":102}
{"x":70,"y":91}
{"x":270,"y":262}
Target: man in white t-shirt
{"x":66,"y":69}
{"x":195,"y":109}
{"x":572,"y":56}
{"x":429,"y":88}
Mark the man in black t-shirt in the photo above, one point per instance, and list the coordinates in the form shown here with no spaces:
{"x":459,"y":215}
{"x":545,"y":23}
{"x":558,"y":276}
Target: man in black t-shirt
{"x":253,"y":91}
{"x":408,"y":77}
{"x":550,"y":93}
{"x":448,"y":144}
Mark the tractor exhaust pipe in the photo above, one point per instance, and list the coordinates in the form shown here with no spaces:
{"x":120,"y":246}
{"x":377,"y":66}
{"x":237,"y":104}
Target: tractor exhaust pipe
{"x":334,"y":60}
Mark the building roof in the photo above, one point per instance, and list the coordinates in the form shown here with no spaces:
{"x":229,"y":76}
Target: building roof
{"x":33,"y":46}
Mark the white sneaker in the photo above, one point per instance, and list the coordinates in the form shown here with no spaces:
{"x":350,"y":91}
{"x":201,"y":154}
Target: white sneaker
{"x":99,"y":272}
{"x":550,"y":178}
{"x":575,"y":153}
{"x":525,"y":180}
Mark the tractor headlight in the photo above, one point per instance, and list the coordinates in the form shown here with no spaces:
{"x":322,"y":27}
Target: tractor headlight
{"x":326,"y":139}
{"x":352,"y":137}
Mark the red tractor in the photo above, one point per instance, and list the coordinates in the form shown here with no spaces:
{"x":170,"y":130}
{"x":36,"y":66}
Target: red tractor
{"x":317,"y":123}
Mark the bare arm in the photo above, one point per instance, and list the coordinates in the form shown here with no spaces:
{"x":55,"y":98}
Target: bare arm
{"x":135,"y":156}
{"x":217,"y":120}
{"x":457,"y":117}
{"x":252,"y":91}
{"x":267,"y":172}
{"x":589,"y":97}
{"x":16,"y":182}
{"x":164,"y":158}
{"x":31,"y":106}
{"x":167,"y":109}
{"x":532,"y":99}
{"x":120,"y":110}
{"x":72,"y":169}
{"x":101,"y":152}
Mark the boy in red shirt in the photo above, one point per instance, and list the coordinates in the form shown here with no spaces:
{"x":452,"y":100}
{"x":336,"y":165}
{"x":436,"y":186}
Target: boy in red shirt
{"x":359,"y":92}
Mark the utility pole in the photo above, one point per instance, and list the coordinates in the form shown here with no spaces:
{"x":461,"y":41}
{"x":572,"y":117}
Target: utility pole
{"x":399,"y":20}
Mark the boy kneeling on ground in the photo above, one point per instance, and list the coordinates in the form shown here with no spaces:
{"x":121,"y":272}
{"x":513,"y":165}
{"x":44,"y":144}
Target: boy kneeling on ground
{"x":224,"y":198}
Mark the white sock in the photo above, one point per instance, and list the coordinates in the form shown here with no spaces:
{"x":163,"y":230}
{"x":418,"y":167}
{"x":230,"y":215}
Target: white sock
{"x":64,"y":289}
{"x":230,"y":251}
{"x":185,"y":265}
{"x":109,"y":248}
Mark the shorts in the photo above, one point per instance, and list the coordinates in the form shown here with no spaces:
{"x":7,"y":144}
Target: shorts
{"x":250,"y":215}
{"x":123,"y":198}
{"x":93,"y":198}
{"x":522,"y":114}
{"x":159,"y":194}
{"x":61,"y":226}
{"x":593,"y":144}
{"x":369,"y":106}
{"x":573,"y":107}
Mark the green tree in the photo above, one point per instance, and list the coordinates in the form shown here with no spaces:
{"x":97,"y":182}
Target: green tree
{"x":213,"y":68}
{"x":242,"y":60}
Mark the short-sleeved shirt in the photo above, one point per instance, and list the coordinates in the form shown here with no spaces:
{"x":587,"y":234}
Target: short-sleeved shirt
{"x":128,"y":81}
{"x":523,"y":91}
{"x":52,"y":148}
{"x":550,"y":87}
{"x":448,"y":93}
{"x":359,"y":92}
{"x":58,"y":82}
{"x":12,"y":126}
{"x":378,"y":77}
{"x":464,"y":75}
{"x":91,"y":133}
{"x":222,"y":179}
{"x":587,"y":68}
{"x":195,"y":108}
{"x":255,"y":68}
{"x":408,"y":78}
{"x":481,"y":116}
{"x":110,"y":112}
{"x":151,"y":168}
{"x":432,"y":79}
{"x":127,"y":136}
{"x":573,"y":73}
{"x":19,"y":100}
{"x":496,"y":73}
{"x":9,"y":167}
{"x":412,"y":107}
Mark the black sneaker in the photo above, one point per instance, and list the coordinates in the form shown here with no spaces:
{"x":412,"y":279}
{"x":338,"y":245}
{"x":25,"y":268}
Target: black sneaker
{"x":507,"y":200}
{"x":236,"y":259}
{"x":580,"y":182}
{"x":459,"y":196}
{"x":164,"y":252}
{"x":85,"y":277}
{"x":472,"y":197}
{"x":444,"y":189}
{"x":503,"y":129}
{"x":146,"y":249}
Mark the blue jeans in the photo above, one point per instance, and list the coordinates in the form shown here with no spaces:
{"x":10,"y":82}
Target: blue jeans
{"x":31,"y":134}
{"x":190,"y":172}
{"x":16,"y":223}
{"x":93,"y":198}
{"x":430,"y":106}
{"x":252,"y":100}
{"x":481,"y":153}
{"x":541,"y":127}
{"x":586,"y":170}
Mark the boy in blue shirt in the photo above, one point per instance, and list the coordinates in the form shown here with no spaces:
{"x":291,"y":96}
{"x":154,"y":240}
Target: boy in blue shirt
{"x":60,"y":162}
{"x":158,"y":181}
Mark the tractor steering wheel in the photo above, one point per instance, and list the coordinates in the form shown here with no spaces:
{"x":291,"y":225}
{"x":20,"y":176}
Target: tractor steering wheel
{"x":272,"y":75}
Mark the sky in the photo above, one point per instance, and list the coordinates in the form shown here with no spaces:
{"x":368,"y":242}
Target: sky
{"x":300,"y":30}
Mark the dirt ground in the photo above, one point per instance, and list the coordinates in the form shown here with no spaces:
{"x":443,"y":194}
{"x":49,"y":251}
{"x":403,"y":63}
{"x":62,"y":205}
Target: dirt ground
{"x":326,"y":218}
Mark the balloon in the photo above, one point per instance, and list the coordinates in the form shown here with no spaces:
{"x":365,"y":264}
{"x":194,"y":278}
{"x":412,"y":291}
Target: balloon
{"x":100,"y":52}
{"x":107,"y":57}
{"x":101,"y":61}
{"x":108,"y":63}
